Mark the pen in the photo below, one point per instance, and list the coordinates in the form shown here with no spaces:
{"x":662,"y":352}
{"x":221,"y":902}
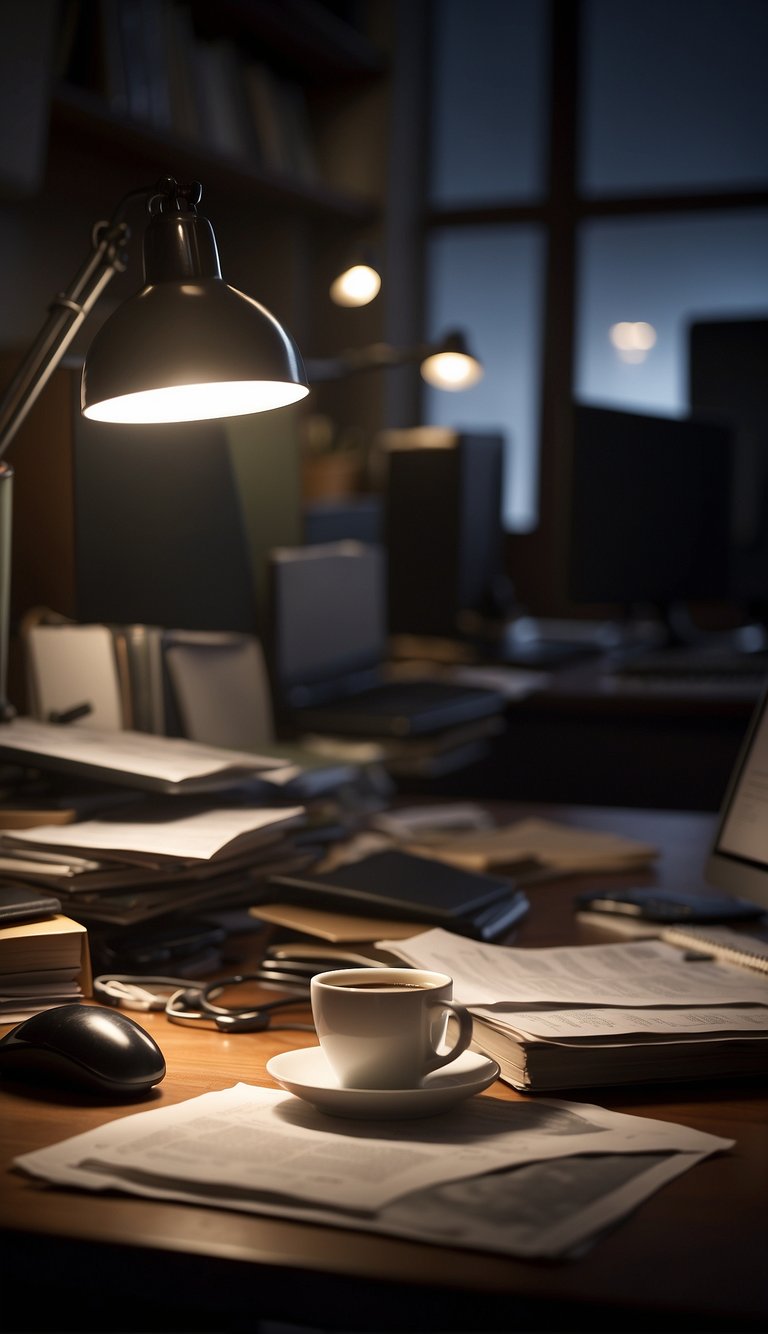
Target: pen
{"x":69,"y":715}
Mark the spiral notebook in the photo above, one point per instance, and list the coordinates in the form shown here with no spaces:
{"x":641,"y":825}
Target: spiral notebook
{"x":739,"y":947}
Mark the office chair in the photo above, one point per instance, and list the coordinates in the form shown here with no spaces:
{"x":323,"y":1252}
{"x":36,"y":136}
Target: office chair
{"x":219,"y":684}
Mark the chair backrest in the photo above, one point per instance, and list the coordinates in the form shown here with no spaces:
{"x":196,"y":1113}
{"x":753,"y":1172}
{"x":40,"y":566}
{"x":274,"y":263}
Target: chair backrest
{"x":69,"y":666}
{"x":220,"y":688}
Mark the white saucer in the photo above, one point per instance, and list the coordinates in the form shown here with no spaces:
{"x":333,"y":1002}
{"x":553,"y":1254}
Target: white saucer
{"x":307,"y":1074}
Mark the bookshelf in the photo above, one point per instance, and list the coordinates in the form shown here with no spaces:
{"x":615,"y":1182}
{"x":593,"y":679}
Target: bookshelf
{"x":278,"y":223}
{"x":256,"y":93}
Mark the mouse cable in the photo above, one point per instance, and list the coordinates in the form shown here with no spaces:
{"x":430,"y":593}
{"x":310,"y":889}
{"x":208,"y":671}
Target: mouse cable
{"x":130,"y":992}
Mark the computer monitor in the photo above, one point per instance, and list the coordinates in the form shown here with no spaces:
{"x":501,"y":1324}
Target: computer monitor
{"x":738,"y":862}
{"x":728,"y":383}
{"x":443,"y":530}
{"x":650,"y":509}
{"x":327,"y":620}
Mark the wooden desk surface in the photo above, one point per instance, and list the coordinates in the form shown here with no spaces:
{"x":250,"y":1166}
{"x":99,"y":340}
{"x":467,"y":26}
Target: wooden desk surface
{"x":691,"y":1258}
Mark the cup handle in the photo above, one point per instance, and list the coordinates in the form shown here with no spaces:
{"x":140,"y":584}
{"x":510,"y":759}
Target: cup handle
{"x":463,"y":1038}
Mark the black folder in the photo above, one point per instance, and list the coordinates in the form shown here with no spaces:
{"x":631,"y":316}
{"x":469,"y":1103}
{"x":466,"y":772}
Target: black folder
{"x":409,"y":887}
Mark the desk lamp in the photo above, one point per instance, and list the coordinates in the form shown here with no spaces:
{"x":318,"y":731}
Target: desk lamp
{"x":447,"y":364}
{"x":187,"y":347}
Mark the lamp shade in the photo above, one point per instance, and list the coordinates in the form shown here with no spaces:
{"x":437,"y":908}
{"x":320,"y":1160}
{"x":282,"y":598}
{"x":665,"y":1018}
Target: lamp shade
{"x":451,"y":365}
{"x":188,"y":346}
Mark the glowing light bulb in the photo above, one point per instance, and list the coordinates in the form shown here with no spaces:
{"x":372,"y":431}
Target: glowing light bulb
{"x":357,"y":286}
{"x":633,"y":339}
{"x":451,"y":371}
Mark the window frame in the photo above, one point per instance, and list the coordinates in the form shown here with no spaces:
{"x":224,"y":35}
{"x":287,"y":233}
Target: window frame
{"x":536,"y":561}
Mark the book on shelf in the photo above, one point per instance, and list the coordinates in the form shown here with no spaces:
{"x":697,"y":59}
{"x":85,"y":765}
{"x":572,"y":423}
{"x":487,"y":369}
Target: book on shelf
{"x":43,"y":963}
{"x":590,"y":1016}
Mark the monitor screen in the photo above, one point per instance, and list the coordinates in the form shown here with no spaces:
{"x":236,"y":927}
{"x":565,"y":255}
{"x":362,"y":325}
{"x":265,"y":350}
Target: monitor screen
{"x":327,"y":616}
{"x":650,"y":508}
{"x":728,"y":383}
{"x":738,"y":862}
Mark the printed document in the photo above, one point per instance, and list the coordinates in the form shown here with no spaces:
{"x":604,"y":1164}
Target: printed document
{"x":647,"y":973}
{"x":446,"y":1178}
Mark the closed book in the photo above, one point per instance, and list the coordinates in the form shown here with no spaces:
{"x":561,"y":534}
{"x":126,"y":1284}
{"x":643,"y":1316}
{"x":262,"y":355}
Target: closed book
{"x":53,"y":944}
{"x":406,"y":886}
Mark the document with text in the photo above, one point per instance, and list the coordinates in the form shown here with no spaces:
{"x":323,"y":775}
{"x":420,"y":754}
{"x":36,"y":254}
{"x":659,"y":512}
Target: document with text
{"x":485,"y":1174}
{"x":635,"y":973}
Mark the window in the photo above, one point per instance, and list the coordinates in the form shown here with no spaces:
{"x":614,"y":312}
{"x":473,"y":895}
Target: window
{"x":660,"y":273}
{"x":489,"y":112}
{"x":594,"y":163}
{"x":488,"y":281}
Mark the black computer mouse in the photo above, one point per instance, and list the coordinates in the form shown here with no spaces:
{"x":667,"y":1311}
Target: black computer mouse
{"x":83,"y":1047}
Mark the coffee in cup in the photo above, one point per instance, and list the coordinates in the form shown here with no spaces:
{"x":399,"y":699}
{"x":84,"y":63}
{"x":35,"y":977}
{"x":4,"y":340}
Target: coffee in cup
{"x":386,"y":1028}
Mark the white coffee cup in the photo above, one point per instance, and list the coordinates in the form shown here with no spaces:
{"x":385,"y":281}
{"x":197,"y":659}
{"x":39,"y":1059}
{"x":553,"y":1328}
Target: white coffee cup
{"x":386,"y":1028}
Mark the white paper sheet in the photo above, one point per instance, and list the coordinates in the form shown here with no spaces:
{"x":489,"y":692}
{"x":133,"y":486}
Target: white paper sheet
{"x":264,"y":1151}
{"x":570,"y":1025}
{"x":645,"y":973}
{"x":171,"y":759}
{"x":150,"y":830}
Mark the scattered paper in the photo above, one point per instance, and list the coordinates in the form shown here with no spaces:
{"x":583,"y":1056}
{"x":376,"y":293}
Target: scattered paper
{"x":557,"y":846}
{"x":138,"y":754}
{"x":643,"y":973}
{"x":262,"y":1151}
{"x":156,"y":830}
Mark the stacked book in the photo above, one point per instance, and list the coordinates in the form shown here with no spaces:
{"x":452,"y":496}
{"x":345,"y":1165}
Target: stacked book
{"x":44,"y":956}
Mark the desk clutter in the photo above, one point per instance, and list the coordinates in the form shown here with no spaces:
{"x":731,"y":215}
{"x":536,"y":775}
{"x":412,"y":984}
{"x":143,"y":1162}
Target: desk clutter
{"x":186,"y":829}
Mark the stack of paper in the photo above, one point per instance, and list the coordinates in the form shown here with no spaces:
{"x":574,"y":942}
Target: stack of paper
{"x":596,"y":1015}
{"x":42,"y":963}
{"x":157,"y":857}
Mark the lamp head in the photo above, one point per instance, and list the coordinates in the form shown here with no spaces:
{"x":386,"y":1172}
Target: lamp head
{"x":451,"y":365}
{"x":187,"y":347}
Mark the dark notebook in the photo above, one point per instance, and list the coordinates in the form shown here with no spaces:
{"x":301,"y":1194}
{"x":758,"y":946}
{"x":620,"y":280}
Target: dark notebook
{"x":329,"y":647}
{"x":408,"y":887}
{"x":21,"y":903}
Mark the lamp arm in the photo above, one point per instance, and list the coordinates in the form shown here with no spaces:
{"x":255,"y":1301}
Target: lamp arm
{"x":374,"y":357}
{"x":67,"y":312}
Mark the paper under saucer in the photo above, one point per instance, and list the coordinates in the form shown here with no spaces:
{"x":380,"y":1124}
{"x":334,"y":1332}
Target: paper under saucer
{"x":307,"y":1074}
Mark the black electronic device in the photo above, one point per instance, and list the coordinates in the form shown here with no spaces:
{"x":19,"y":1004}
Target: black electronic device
{"x":728,"y":384}
{"x":168,"y":943}
{"x":650,"y":904}
{"x":328,"y":651}
{"x":443,"y":529}
{"x":650,"y":509}
{"x":85,"y":1048}
{"x":738,"y":860}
